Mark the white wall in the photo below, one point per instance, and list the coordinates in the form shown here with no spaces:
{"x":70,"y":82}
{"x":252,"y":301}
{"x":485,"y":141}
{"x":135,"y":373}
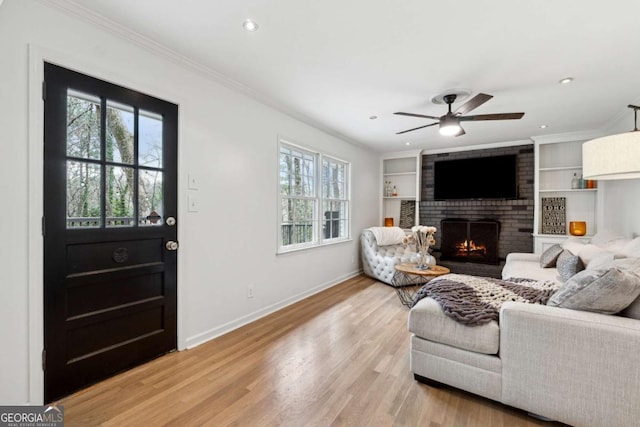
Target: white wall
{"x":226,"y":139}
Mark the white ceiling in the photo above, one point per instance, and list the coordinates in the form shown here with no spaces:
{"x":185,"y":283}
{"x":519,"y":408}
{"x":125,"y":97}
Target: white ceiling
{"x":335,"y":63}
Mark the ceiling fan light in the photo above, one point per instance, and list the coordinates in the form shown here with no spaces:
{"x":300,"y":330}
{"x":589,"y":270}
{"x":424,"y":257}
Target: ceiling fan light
{"x":449,"y":126}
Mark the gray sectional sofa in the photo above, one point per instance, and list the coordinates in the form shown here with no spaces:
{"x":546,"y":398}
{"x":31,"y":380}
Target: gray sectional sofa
{"x":575,"y":366}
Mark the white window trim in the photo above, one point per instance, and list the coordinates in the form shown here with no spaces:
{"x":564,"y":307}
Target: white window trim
{"x":318,"y":240}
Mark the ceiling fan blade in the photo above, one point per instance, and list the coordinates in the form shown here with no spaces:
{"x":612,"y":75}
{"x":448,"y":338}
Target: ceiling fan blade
{"x":417,"y":115}
{"x":501,"y":116}
{"x":409,"y":130}
{"x":473,"y":103}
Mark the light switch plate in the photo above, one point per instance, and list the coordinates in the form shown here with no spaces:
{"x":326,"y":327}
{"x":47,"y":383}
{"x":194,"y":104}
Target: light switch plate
{"x":193,"y":182}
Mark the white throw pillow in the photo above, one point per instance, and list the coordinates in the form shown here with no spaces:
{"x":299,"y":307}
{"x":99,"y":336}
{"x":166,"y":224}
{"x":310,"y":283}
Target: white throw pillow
{"x":632,"y":248}
{"x":573,"y":245}
{"x":602,"y":238}
{"x":589,"y":252}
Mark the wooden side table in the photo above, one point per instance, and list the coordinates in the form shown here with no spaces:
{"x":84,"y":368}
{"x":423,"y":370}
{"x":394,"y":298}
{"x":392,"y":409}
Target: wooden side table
{"x":407,"y":276}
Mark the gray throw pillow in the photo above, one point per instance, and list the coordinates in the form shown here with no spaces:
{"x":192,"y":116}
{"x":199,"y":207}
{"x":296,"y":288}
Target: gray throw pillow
{"x":550,"y":256}
{"x":568,"y":265}
{"x":633,"y":310}
{"x":608,"y":292}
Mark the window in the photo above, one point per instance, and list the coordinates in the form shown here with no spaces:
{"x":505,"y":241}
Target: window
{"x":313,"y":198}
{"x":107,"y":185}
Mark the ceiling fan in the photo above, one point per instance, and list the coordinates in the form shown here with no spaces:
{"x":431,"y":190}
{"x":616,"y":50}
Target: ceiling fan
{"x":450,"y":122}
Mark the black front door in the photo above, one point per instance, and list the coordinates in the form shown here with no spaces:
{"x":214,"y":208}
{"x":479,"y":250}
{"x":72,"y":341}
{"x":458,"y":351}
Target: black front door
{"x":110,"y":213}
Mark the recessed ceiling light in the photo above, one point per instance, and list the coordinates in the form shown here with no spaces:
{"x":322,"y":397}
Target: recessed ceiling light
{"x":566,"y":80}
{"x":544,"y":126}
{"x":407,"y":143}
{"x":373,"y":117}
{"x":250,"y":25}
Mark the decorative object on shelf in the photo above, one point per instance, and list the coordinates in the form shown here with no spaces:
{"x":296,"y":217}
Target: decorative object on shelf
{"x":422,"y":235}
{"x":395,"y":191}
{"x":577,"y":228}
{"x":591,"y":183}
{"x":387,"y":189}
{"x":614,"y":156}
{"x":388,"y":222}
{"x":575,"y":182}
{"x":554,"y":213}
{"x":407,"y":213}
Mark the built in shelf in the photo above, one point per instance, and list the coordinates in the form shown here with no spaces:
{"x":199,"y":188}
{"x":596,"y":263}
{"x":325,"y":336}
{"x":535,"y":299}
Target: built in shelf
{"x":568,"y":190}
{"x":586,"y":236}
{"x":560,"y":168}
{"x":399,"y":173}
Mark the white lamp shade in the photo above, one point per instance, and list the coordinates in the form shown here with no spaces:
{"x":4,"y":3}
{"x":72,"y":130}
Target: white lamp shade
{"x":612,"y":157}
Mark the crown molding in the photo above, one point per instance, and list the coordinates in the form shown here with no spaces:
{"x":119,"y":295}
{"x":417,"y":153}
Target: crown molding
{"x":567,"y":136}
{"x":73,"y":9}
{"x":478,"y":147}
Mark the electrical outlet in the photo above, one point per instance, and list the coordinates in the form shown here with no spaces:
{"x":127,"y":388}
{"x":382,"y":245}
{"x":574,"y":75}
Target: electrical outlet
{"x":193,"y":205}
{"x":250,"y":291}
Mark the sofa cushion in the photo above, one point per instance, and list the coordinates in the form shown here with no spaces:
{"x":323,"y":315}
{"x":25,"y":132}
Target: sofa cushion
{"x":428,"y":321}
{"x":550,"y":256}
{"x":601,"y":291}
{"x":527,"y":266}
{"x":568,"y":265}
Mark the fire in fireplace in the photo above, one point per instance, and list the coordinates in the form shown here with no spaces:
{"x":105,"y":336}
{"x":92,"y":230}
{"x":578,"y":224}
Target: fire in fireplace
{"x":470,"y":241}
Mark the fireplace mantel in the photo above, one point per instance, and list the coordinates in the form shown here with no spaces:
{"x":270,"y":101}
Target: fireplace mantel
{"x":476,"y":203}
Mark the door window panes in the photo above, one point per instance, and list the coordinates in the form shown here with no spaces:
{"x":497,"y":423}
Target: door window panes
{"x":114,"y":175}
{"x":119,"y":209}
{"x":150,"y":140}
{"x":83,"y":125}
{"x":120,"y":133}
{"x":83,"y":194}
{"x":150,"y":198}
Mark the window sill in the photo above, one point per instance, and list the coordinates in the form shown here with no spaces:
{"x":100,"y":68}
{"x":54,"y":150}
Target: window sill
{"x":284,"y":251}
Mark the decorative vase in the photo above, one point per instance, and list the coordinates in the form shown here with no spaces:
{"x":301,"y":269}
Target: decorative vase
{"x":426,"y":260}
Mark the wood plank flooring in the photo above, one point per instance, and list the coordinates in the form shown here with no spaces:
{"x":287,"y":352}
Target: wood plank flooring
{"x":338,"y":358}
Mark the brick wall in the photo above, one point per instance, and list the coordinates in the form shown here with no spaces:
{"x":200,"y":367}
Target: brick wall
{"x":515,"y":216}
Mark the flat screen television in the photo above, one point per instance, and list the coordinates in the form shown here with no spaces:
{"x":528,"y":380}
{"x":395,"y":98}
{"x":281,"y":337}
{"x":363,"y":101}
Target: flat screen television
{"x":494,"y":177}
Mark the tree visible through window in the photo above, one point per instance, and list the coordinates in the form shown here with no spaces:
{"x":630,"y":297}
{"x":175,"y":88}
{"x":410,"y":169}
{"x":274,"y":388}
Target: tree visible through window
{"x":132,"y":186}
{"x":314,"y":202}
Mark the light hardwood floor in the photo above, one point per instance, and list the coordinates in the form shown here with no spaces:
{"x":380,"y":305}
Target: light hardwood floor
{"x":338,"y":358}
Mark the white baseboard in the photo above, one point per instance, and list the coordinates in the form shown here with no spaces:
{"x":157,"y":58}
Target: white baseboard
{"x":203,"y":337}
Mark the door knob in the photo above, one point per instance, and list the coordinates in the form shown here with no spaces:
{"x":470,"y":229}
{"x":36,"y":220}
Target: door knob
{"x":171,"y":221}
{"x":172,"y":245}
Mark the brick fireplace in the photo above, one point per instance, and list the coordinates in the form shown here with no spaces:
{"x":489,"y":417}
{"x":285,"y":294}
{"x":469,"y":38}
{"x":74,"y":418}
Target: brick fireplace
{"x":515,"y":217}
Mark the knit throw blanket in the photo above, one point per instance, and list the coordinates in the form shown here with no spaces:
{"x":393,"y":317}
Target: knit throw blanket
{"x":475,"y":300}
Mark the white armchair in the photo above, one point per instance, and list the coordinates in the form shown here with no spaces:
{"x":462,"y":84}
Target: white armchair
{"x":378,"y":260}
